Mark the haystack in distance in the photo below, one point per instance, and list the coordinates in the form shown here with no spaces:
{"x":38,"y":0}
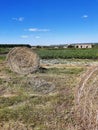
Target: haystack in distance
{"x":23,"y":60}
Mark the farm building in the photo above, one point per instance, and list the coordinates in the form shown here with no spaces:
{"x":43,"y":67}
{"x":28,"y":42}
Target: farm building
{"x":83,"y":46}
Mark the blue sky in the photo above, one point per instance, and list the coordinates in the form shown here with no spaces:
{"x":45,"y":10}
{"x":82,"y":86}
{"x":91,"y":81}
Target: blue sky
{"x":47,"y":22}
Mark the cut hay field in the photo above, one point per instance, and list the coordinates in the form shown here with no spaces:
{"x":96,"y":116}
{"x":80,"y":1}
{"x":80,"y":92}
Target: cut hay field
{"x":22,"y":107}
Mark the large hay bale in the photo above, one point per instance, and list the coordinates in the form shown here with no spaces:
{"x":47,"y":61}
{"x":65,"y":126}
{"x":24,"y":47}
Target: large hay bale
{"x":23,"y":60}
{"x":87,"y":101}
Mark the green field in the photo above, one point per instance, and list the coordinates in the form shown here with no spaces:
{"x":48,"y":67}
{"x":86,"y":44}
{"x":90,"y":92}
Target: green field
{"x":68,"y":53}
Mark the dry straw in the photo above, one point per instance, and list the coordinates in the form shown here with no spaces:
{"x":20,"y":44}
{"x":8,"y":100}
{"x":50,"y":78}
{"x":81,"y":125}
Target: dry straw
{"x":23,"y":60}
{"x":87,"y":101}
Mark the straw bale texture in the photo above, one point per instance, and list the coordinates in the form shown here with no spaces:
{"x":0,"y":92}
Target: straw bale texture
{"x":87,"y":101}
{"x":23,"y":60}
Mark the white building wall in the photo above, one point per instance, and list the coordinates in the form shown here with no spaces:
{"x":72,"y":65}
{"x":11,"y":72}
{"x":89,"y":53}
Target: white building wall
{"x":83,"y":46}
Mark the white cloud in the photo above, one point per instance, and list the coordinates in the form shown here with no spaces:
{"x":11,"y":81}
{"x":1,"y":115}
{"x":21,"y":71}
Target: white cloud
{"x":37,"y":37}
{"x":85,"y":16}
{"x":24,"y":36}
{"x":33,"y":29}
{"x":20,"y":19}
{"x":38,"y":30}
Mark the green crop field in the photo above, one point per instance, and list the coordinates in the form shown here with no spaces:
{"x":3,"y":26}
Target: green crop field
{"x":68,"y":53}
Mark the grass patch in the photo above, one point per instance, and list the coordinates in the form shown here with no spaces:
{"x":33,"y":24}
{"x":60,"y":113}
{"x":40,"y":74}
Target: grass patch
{"x":41,"y":117}
{"x":9,"y":101}
{"x":40,"y":112}
{"x":4,"y":50}
{"x":2,"y":58}
{"x":64,"y":70}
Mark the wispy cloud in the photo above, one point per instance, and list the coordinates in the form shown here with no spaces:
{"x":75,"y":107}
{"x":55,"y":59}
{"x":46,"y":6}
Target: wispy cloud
{"x":24,"y":36}
{"x":37,"y":37}
{"x":33,"y":29}
{"x":38,"y":30}
{"x":20,"y":19}
{"x":85,"y":16}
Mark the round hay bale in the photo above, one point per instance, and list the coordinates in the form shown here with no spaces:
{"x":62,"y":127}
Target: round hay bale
{"x":87,"y":101}
{"x":23,"y":60}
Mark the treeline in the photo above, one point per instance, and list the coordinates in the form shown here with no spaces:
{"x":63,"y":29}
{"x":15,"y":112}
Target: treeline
{"x":14,"y":45}
{"x":5,"y":48}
